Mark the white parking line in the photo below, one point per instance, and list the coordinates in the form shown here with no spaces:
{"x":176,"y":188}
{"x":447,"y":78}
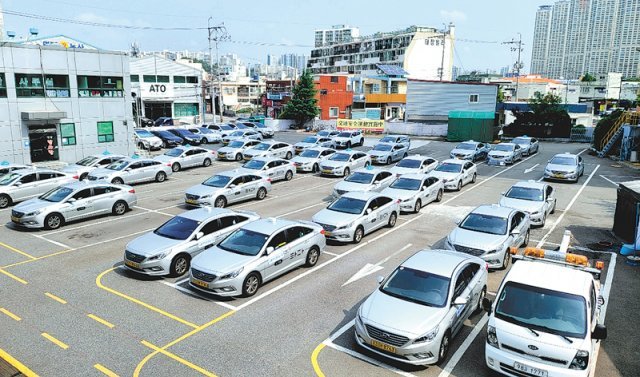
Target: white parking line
{"x":606,"y":295}
{"x":301,"y":209}
{"x":261,"y":201}
{"x":330,"y":253}
{"x":608,"y":180}
{"x":367,"y":359}
{"x":40,"y":237}
{"x":455,"y":359}
{"x":154,"y":211}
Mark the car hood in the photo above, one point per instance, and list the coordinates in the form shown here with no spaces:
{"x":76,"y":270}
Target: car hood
{"x":522,"y":205}
{"x":229,"y":150}
{"x":334,"y":164}
{"x":352,"y":186}
{"x":304,"y":145}
{"x":399,"y":194}
{"x":444,"y":175}
{"x":303,"y":160}
{"x":563,"y":168}
{"x":165,"y":158}
{"x":525,"y":146}
{"x":334,"y":218}
{"x":500,"y":153}
{"x":32,"y":205}
{"x":202,"y":190}
{"x":339,"y":138}
{"x":151,"y":244}
{"x":73,"y":168}
{"x":464,"y":152}
{"x":394,"y":314}
{"x":476,"y":240}
{"x":219,"y":262}
{"x":373,"y":153}
{"x":255,"y":152}
{"x":399,"y":170}
{"x":102,"y":172}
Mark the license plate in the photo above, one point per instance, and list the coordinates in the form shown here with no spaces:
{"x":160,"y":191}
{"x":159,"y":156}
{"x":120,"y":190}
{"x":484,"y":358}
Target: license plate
{"x":191,"y":201}
{"x":558,"y":175}
{"x":200,"y":283}
{"x":327,"y":171}
{"x":15,"y":219}
{"x":327,"y":234}
{"x":132,"y":264}
{"x":530,"y":370}
{"x":221,"y":155}
{"x":383,"y":346}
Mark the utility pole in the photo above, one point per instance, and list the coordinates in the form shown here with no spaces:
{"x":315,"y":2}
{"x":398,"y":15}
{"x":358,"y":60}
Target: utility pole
{"x":517,"y":47}
{"x":216,"y":34}
{"x":444,"y":40}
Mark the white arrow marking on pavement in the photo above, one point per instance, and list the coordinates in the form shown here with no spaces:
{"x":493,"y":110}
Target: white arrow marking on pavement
{"x":530,"y":169}
{"x":369,"y":268}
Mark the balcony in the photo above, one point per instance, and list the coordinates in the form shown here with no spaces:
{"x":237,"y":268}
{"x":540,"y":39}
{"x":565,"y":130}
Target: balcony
{"x":385,"y":98}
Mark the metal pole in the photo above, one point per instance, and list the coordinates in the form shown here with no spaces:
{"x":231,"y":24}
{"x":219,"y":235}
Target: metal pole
{"x":518,"y":64}
{"x":444,"y":31}
{"x":211,"y":88}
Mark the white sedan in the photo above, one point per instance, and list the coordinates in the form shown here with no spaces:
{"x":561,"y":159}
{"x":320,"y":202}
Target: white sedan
{"x":414,"y":164}
{"x":455,"y":173}
{"x":186,"y":157}
{"x":415,"y":190}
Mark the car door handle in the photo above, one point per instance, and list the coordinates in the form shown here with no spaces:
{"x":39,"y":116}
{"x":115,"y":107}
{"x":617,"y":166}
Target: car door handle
{"x":236,"y":193}
{"x":208,"y":246}
{"x":279,"y":261}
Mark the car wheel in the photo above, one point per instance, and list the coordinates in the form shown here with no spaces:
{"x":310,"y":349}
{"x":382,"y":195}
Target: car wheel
{"x":220,"y":202}
{"x":526,"y":239}
{"x":164,"y":144}
{"x":175,"y":167}
{"x":179,"y":265}
{"x":161,"y":176}
{"x":262,"y":193}
{"x":473,"y":179}
{"x":239,"y":157}
{"x":392,"y":220}
{"x":289,"y":156}
{"x":250,"y":285}
{"x":312,"y":256}
{"x":443,"y":350}
{"x":288,"y":176}
{"x":366,"y":164}
{"x":315,"y":168}
{"x":119,"y":208}
{"x":483,"y":293}
{"x":388,"y":160}
{"x":459,"y":187}
{"x":405,"y":155}
{"x":5,"y":201}
{"x":348,"y":144}
{"x":506,"y":260}
{"x":553,"y":209}
{"x":358,"y":234}
{"x":346,"y":172}
{"x":207,"y":162}
{"x":361,"y":142}
{"x":117,"y":181}
{"x":418,"y":206}
{"x":53,"y":221}
{"x":439,"y":197}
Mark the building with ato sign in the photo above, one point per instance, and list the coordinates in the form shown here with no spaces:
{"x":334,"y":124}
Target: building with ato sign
{"x":166,"y":88}
{"x":62,"y":102}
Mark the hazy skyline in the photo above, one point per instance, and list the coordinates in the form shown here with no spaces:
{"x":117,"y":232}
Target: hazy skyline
{"x":258,"y":28}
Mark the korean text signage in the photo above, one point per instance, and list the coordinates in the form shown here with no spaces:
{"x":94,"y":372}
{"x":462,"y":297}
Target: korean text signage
{"x":156,"y":90}
{"x":365,"y":125}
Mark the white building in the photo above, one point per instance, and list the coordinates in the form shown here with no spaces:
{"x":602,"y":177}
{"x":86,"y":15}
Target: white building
{"x":540,"y":47}
{"x":605,"y":87}
{"x":61,"y":104}
{"x":630,"y":90}
{"x":421,"y":51}
{"x":337,"y":34}
{"x":165,"y":88}
{"x":242,"y":93}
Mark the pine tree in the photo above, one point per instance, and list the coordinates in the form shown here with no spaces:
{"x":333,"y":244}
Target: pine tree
{"x":303,"y":106}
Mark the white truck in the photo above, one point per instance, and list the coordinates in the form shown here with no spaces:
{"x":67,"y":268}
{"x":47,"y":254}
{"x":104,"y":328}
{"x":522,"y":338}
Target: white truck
{"x":545,"y":320}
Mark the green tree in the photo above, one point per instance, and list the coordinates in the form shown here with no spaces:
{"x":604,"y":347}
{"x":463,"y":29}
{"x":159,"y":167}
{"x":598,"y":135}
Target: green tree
{"x":500,"y":98}
{"x":303,"y":106}
{"x":588,"y":78}
{"x":545,"y":105}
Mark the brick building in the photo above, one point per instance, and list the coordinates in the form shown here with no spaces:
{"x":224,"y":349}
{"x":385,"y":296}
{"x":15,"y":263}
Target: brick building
{"x":334,"y":97}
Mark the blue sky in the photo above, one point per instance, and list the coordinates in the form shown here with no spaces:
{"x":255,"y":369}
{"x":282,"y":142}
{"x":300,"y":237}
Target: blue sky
{"x":291,"y":22}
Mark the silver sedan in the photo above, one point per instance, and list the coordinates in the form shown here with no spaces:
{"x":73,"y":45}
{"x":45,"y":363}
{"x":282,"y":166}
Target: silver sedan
{"x":312,"y":142}
{"x":383,"y":153}
{"x":353,"y":215}
{"x":538,"y":199}
{"x":365,"y":179}
{"x":414,"y":191}
{"x":270,"y":148}
{"x":132,"y":170}
{"x":226,"y":188}
{"x":275,"y":169}
{"x":23,"y":184}
{"x":455,"y":173}
{"x":7,"y":167}
{"x":310,"y":159}
{"x":235,"y":149}
{"x":342,"y":163}
{"x":241,"y":134}
{"x":186,"y":157}
{"x":414,"y":164}
{"x":504,"y":153}
{"x":168,"y":250}
{"x":71,"y":202}
{"x":255,"y":254}
{"x":83,"y":167}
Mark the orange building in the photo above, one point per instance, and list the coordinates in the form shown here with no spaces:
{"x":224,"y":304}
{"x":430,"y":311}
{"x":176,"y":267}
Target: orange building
{"x":334,"y":99}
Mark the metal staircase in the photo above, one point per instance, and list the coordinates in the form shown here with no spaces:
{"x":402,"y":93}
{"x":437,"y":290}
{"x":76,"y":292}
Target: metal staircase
{"x":614,"y":134}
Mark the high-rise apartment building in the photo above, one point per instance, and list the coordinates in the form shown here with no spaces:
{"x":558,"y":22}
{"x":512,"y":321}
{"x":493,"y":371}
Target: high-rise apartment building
{"x":337,"y":34}
{"x":573,"y":37}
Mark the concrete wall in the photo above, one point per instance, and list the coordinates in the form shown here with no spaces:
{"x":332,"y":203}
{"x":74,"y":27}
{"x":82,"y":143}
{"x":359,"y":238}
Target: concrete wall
{"x":416,"y":129}
{"x":434,"y":99}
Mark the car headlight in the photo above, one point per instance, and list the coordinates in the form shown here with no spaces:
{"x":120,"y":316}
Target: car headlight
{"x":205,"y":196}
{"x":492,"y":337}
{"x":492,"y":251}
{"x":345,"y":226}
{"x":535,"y":213}
{"x":233,"y":274}
{"x":581,"y":361}
{"x":159,"y":256}
{"x":407,"y":200}
{"x":428,"y":337}
{"x":34,"y":213}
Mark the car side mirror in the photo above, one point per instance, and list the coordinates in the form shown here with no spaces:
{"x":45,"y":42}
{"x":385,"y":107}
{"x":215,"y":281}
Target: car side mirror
{"x":515,"y":232}
{"x":199,"y":235}
{"x":486,"y":305}
{"x":270,"y":250}
{"x":233,"y":185}
{"x":599,"y":333}
{"x":502,"y":193}
{"x":380,"y":279}
{"x":127,"y":169}
{"x":460,"y":301}
{"x":369,"y":210}
{"x":18,"y":184}
{"x":457,"y":221}
{"x":423,"y":188}
{"x":71,"y":200}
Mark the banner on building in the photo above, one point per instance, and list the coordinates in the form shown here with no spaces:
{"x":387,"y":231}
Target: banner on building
{"x":365,"y":125}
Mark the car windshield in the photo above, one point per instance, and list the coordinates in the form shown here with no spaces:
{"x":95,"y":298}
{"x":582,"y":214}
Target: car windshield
{"x":309,"y":153}
{"x":118,"y":165}
{"x":204,"y":130}
{"x":388,"y":139}
{"x":144,"y":133}
{"x":409,"y":163}
{"x":254,"y":164}
{"x":466,"y":146}
{"x":262,"y":147}
{"x":225,"y":127}
{"x":360,"y":177}
{"x":503,"y":148}
{"x":406,"y":184}
{"x":217,"y":181}
{"x":485,"y":223}
{"x":417,"y":286}
{"x":236,"y":144}
{"x":324,"y":133}
{"x":520,"y":140}
{"x":56,"y":195}
{"x":563,"y":161}
{"x":241,"y":126}
{"x":8,"y":178}
{"x":447,"y":167}
{"x":382,"y":147}
{"x":165,"y":134}
{"x":310,"y":139}
{"x":175,"y":152}
{"x":340,"y":157}
{"x":344,"y":134}
{"x":237,"y":133}
{"x":87,"y":161}
{"x":260,"y":125}
{"x":525,"y":193}
{"x":178,"y":228}
{"x":348,"y":205}
{"x":244,"y":242}
{"x":542,"y":309}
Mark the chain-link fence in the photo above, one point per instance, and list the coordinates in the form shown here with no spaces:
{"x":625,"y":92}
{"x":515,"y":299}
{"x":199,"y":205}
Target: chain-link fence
{"x":582,"y":134}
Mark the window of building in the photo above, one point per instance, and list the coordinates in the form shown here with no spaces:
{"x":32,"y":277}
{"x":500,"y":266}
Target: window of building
{"x":68,"y":133}
{"x":105,"y":132}
{"x":334,"y":79}
{"x":474,"y":98}
{"x":57,"y":85}
{"x":192,"y":79}
{"x":162,"y":78}
{"x":100,"y":86}
{"x":3,"y":86}
{"x":375,"y":88}
{"x":185,"y":109}
{"x":323,"y":91}
{"x":149,"y":78}
{"x":28,"y":85}
{"x":179,"y":79}
{"x":333,"y":112}
{"x":135,"y":78}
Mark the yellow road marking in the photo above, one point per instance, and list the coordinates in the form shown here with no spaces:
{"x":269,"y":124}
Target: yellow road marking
{"x":105,"y":370}
{"x":54,"y":341}
{"x":178,"y":359}
{"x":12,"y":276}
{"x":100,"y":320}
{"x":136,"y":301}
{"x":54,"y":297}
{"x":9,"y":314}
{"x":16,"y":364}
{"x":136,"y":372}
{"x":38,"y":258}
{"x":314,"y":360}
{"x":17,"y":250}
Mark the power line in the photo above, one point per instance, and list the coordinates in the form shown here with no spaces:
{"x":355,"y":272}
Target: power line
{"x":269,"y":44}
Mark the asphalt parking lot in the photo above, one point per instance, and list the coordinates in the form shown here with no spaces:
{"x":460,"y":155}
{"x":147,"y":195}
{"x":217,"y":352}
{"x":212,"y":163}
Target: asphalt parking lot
{"x":68,"y":308}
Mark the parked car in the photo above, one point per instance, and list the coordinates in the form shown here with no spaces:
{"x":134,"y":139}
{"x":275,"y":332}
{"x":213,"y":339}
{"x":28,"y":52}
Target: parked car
{"x":255,"y":254}
{"x":169,"y":249}
{"x":241,"y":134}
{"x":328,"y":133}
{"x":146,"y":140}
{"x":273,"y":168}
{"x":132,"y":170}
{"x":455,"y":173}
{"x":23,"y":184}
{"x":188,"y":136}
{"x":71,"y":202}
{"x":146,"y":122}
{"x":564,"y":167}
{"x":164,"y":121}
{"x":488,"y":232}
{"x":414,"y":191}
{"x":270,"y":148}
{"x":364,"y":179}
{"x":266,"y":131}
{"x":356,"y":214}
{"x":529,"y":145}
{"x":414,"y":164}
{"x":470,"y":150}
{"x":504,"y":153}
{"x":224,"y":129}
{"x":310,"y":159}
{"x":396,"y":139}
{"x":312,"y":142}
{"x":416,"y":311}
{"x":208,"y":136}
{"x":186,"y":157}
{"x":341,"y":163}
{"x":82,"y":168}
{"x":169,"y":140}
{"x":228,"y":187}
{"x":7,"y":167}
{"x":386,"y":153}
{"x":538,"y":199}
{"x":348,"y":139}
{"x":235,"y":149}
